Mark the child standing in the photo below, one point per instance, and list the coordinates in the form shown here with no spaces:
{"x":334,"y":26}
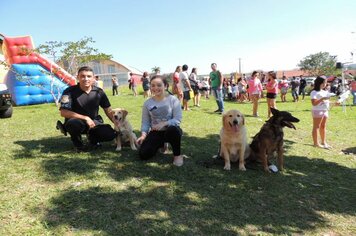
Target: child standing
{"x":320,"y":111}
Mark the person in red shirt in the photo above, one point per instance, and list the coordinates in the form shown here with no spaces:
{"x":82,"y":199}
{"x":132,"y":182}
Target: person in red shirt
{"x":176,"y":87}
{"x":133,"y":82}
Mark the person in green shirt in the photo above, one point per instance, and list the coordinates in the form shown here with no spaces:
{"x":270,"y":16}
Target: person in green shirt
{"x":216,"y":81}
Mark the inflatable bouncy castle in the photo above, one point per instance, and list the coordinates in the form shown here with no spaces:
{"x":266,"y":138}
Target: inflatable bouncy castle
{"x":32,"y":78}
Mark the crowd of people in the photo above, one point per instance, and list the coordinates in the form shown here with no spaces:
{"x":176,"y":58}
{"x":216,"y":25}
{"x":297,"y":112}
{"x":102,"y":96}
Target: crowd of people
{"x":162,"y":110}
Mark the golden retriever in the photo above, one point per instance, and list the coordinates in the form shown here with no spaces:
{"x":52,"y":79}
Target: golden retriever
{"x":124,"y":129}
{"x":233,"y":139}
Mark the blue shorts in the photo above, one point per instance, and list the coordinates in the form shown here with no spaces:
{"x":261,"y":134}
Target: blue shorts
{"x":186,"y":95}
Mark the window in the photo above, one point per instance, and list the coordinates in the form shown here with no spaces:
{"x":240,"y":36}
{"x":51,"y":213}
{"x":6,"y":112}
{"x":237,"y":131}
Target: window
{"x":96,"y":68}
{"x":111,"y":69}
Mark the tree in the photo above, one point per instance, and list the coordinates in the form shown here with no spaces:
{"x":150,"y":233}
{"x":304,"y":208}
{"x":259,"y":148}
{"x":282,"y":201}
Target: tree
{"x":73,"y":54}
{"x":50,"y":48}
{"x":156,"y":69}
{"x":321,"y":63}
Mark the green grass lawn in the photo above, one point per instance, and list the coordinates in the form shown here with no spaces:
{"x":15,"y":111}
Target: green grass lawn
{"x":48,"y":189}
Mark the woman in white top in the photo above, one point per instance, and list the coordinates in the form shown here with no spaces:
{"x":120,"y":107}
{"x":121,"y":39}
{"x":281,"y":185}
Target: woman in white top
{"x":194,"y":83}
{"x":320,"y":111}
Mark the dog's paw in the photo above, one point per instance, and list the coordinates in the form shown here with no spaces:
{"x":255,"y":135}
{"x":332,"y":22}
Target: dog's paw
{"x":267,"y":170}
{"x":242,"y":168}
{"x":133,"y":148}
{"x":118,"y":149}
{"x":227,"y":167}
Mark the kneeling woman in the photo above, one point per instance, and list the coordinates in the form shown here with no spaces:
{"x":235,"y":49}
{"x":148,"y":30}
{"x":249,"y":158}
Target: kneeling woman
{"x":161,"y":117}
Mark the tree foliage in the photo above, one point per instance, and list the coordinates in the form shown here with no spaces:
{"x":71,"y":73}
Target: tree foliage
{"x":321,"y":63}
{"x":156,"y":69}
{"x":72,"y":55}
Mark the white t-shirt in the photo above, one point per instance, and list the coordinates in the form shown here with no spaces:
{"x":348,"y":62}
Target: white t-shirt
{"x":184,"y":78}
{"x":324,"y":105}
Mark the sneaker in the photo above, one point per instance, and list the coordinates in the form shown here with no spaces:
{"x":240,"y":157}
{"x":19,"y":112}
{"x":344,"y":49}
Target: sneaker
{"x":217,"y":111}
{"x":178,"y":161}
{"x":61,"y":128}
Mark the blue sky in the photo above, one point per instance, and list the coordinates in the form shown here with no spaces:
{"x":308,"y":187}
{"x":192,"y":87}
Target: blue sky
{"x":268,"y":35}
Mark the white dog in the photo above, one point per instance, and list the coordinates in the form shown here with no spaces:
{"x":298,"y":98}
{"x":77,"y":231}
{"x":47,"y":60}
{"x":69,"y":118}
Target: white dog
{"x":124,"y":129}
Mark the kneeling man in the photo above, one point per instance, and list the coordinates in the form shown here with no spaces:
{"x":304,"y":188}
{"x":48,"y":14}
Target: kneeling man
{"x":80,"y":108}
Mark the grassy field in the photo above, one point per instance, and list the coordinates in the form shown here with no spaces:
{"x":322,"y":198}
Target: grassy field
{"x":48,"y":189}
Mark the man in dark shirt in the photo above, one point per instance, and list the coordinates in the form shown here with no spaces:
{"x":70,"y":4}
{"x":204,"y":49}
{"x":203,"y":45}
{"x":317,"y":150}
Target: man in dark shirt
{"x":295,"y":89}
{"x":302,"y":85}
{"x":80,"y":108}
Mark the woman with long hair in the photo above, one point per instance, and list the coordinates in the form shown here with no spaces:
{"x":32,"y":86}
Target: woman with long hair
{"x":272,"y":91}
{"x":146,"y":85}
{"x":255,"y":90}
{"x":176,"y":86}
{"x":195,"y":86}
{"x":320,"y":99}
{"x":161,"y":117}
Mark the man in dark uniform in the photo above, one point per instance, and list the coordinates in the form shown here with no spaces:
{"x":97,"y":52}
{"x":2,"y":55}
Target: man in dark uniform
{"x":303,"y":84}
{"x":80,"y":108}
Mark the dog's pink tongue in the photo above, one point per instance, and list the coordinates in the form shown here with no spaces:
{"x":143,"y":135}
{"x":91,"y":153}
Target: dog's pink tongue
{"x":235,"y":128}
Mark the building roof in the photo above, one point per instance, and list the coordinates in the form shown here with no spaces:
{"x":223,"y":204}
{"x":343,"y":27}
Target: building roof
{"x":291,"y":73}
{"x":134,"y":70}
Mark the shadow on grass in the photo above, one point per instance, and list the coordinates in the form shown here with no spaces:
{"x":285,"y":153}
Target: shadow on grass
{"x":155,"y":197}
{"x":350,"y":150}
{"x":32,"y":148}
{"x":59,"y":160}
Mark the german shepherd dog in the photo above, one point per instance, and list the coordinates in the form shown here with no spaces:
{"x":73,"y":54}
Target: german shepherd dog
{"x":270,"y":139}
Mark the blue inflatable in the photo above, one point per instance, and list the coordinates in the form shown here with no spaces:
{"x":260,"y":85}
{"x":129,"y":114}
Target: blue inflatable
{"x":32,"y":84}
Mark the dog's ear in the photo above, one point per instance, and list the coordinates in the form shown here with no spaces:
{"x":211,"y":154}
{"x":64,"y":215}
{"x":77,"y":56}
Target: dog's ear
{"x":274,"y":111}
{"x":124,"y":114}
{"x":224,"y":117}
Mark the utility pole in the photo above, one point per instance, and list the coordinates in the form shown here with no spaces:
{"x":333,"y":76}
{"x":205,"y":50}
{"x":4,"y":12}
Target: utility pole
{"x":240,"y":66}
{"x":353,"y":50}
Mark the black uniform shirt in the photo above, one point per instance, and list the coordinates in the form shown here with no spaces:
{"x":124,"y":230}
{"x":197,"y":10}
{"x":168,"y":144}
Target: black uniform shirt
{"x":87,"y":104}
